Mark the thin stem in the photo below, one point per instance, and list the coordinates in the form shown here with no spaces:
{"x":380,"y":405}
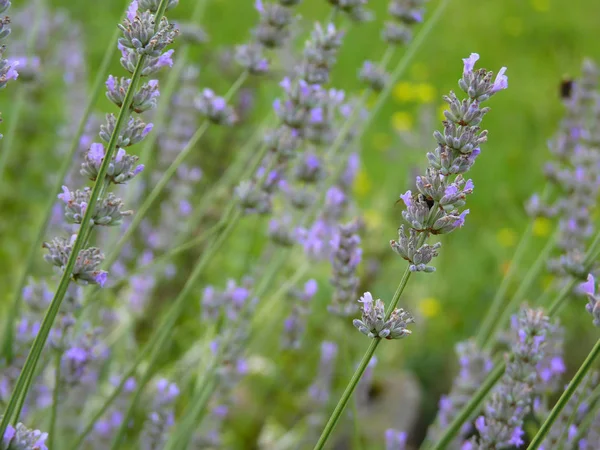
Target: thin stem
{"x":54,"y":410}
{"x":532,"y":274}
{"x":337,"y":412}
{"x":564,"y":398}
{"x":394,"y":303}
{"x":40,"y":340}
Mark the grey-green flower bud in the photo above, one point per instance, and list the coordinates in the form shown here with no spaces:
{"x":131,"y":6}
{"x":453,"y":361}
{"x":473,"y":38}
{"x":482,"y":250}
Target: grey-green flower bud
{"x":373,"y":323}
{"x":135,"y":130}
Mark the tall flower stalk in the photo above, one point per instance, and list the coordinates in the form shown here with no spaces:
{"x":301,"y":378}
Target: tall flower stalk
{"x":435,"y":209}
{"x":7,"y":69}
{"x":145,"y":36}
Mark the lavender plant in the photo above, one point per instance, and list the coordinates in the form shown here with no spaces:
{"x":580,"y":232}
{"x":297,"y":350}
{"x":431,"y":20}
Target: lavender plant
{"x":145,"y":36}
{"x":434,"y":210}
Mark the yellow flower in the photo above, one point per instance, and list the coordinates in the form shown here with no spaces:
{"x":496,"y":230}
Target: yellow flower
{"x":429,"y":307}
{"x":425,"y":92}
{"x":382,"y":141}
{"x":513,"y":26}
{"x":373,"y":219}
{"x":541,"y":5}
{"x":402,"y":121}
{"x":362,"y":183}
{"x":542,"y":227}
{"x":506,"y":237}
{"x":404,"y":91}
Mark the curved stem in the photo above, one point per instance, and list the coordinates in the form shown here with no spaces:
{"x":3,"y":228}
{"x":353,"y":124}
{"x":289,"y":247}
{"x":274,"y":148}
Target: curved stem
{"x":40,"y":340}
{"x":564,"y":398}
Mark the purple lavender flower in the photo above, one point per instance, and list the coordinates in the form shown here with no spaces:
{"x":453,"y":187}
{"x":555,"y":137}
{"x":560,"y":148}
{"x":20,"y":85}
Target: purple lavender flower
{"x":501,"y":425}
{"x":21,"y":437}
{"x":373,"y":323}
{"x":435,"y":209}
{"x":405,"y":14}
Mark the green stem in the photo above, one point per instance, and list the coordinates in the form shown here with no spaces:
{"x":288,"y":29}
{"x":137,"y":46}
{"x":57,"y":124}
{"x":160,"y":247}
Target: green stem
{"x":337,"y":412}
{"x":54,"y":410}
{"x":564,"y":398}
{"x":532,"y":274}
{"x":40,"y":340}
{"x":45,"y":218}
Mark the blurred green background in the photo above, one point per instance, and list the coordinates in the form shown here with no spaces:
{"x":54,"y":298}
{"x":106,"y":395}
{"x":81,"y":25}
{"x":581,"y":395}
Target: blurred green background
{"x":539,"y":41}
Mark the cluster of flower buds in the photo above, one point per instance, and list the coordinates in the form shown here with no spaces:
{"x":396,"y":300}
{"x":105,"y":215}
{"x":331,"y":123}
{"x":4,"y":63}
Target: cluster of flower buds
{"x":501,"y":425}
{"x":87,"y":266}
{"x":405,"y":14}
{"x":215,"y":108}
{"x":373,"y":76}
{"x":142,"y":38}
{"x":21,"y":437}
{"x":143,"y":48}
{"x":108,"y":212}
{"x":355,"y":9}
{"x":373,"y":323}
{"x":435,"y":209}
{"x":320,"y":54}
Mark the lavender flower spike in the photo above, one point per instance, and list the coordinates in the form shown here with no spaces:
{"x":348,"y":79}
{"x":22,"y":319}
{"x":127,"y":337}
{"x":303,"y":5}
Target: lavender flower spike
{"x":442,"y":191}
{"x":373,"y":323}
{"x":501,"y":425}
{"x":22,"y":438}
